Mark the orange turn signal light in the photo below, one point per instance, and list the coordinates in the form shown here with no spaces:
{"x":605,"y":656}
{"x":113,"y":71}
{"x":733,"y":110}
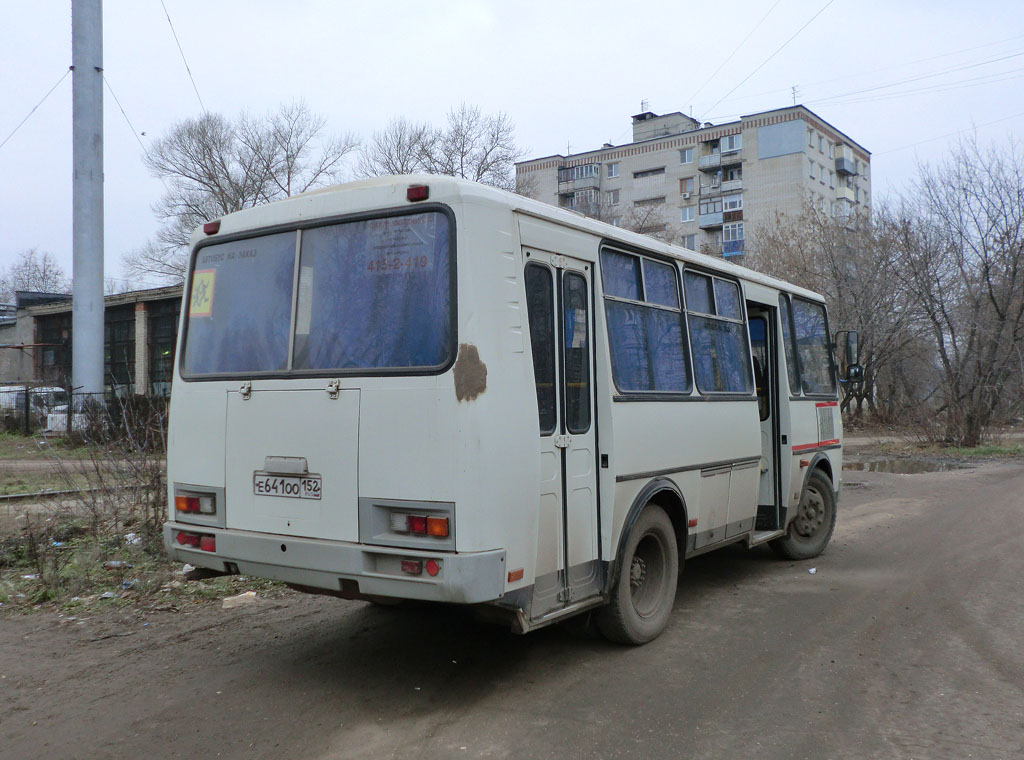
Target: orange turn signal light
{"x":437,"y":526}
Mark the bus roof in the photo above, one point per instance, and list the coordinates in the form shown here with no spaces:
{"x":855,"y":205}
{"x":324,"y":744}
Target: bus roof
{"x":389,"y":192}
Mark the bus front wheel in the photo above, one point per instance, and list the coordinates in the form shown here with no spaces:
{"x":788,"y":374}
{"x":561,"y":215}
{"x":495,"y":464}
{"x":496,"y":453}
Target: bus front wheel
{"x":811,"y":529}
{"x":641,"y":600}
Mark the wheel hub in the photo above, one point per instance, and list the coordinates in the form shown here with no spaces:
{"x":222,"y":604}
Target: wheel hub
{"x":811,"y":516}
{"x":637,"y":572}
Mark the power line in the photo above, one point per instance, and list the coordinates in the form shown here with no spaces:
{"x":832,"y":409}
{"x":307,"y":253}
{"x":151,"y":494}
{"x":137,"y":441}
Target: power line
{"x":735,"y":50}
{"x":951,"y":70}
{"x":125,"y":115}
{"x":884,"y":68}
{"x":48,"y":92}
{"x":948,"y":134}
{"x":777,"y":51}
{"x":183,"y":56}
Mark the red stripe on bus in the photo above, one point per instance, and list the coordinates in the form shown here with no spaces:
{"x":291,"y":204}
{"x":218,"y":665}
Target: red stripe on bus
{"x":806,"y":446}
{"x":827,"y":403}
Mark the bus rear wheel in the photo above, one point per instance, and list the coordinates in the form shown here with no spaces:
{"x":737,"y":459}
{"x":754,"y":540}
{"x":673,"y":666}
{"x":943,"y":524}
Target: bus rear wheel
{"x":641,"y":600}
{"x":811,"y":529}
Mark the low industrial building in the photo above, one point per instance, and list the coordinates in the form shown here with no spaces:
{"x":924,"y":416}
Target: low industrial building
{"x":140,"y":329}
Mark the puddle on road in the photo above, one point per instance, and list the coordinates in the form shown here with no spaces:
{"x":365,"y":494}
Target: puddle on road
{"x":903,"y":466}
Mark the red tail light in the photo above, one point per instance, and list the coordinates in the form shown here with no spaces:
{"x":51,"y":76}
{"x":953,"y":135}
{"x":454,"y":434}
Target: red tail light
{"x":208,"y":543}
{"x":418,"y":524}
{"x":212,"y":228}
{"x":186,"y":503}
{"x":417,"y":193}
{"x":412,"y":566}
{"x":188,"y":539}
{"x":433,"y":567}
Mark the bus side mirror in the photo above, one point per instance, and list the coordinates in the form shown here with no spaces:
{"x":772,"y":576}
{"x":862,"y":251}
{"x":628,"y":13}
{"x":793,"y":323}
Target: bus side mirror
{"x":853,"y":372}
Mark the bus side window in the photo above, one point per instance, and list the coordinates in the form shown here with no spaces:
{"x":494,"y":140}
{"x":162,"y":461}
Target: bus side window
{"x":759,"y":345}
{"x":813,"y":347}
{"x":787,"y":341}
{"x":577,"y":353}
{"x":718,"y":337}
{"x":541,"y":314}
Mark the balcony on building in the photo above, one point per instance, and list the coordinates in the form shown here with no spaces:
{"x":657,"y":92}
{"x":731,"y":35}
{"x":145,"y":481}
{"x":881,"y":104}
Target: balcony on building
{"x":712,"y":188}
{"x":845,"y":162}
{"x":711,"y":163}
{"x":709,"y":221}
{"x":732,"y":157}
{"x":732,"y":185}
{"x":583,"y":177}
{"x":846,"y":194}
{"x":732,"y":248}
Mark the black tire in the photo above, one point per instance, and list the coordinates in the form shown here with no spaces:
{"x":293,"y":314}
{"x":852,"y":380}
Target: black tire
{"x":811,"y":529}
{"x":645,"y":591}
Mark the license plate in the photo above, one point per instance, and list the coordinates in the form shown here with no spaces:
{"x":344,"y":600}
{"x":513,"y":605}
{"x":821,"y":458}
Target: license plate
{"x":301,"y":487}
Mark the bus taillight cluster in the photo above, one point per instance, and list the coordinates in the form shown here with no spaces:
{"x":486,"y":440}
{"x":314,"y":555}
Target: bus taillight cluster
{"x":202,"y":541}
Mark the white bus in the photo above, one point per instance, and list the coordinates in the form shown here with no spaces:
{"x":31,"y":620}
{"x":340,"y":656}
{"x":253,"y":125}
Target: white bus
{"x":423,"y":388}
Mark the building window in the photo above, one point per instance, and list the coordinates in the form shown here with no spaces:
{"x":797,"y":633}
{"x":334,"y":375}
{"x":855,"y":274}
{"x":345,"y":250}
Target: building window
{"x":733,"y":174}
{"x":686,"y":185}
{"x":649,"y":173}
{"x":686,"y":156}
{"x":821,"y":144}
{"x":809,"y":161}
{"x":611,"y":198}
{"x":831,"y":150}
{"x":810,"y":138}
{"x":821,"y":174}
{"x":613,"y":170}
{"x":617,"y":222}
{"x":711,"y":206}
{"x":831,"y":178}
{"x":687,"y":214}
{"x":732,"y":143}
{"x":690,"y":241}
{"x":732,"y":232}
{"x":732,"y":202}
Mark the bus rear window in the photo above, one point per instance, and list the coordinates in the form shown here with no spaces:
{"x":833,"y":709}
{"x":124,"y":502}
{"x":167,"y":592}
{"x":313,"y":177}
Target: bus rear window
{"x":373,"y":294}
{"x":239,"y":307}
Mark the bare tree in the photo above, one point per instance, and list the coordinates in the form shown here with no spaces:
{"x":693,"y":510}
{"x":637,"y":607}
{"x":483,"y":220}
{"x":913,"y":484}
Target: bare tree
{"x":472,"y":145}
{"x":960,"y":246}
{"x":212,"y":166}
{"x":850,"y":262}
{"x":397,"y":149}
{"x":33,"y":270}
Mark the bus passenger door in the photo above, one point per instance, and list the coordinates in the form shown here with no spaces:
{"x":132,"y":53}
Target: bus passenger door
{"x":765,"y":353}
{"x":558,"y":291}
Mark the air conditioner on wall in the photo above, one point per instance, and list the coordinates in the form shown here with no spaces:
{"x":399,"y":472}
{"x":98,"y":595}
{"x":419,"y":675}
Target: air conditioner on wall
{"x":686,"y":195}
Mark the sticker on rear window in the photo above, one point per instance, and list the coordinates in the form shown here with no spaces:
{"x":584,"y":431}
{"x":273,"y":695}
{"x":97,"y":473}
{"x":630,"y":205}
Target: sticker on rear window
{"x":201,"y":304}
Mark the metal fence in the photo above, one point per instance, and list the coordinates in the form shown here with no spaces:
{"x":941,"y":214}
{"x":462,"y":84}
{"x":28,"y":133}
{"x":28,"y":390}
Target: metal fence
{"x":26,"y":408}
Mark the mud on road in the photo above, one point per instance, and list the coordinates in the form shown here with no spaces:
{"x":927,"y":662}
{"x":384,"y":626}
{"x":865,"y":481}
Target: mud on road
{"x":905,"y":643}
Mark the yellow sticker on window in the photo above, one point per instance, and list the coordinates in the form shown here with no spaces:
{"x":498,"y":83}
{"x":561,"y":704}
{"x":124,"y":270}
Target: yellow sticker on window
{"x":201,"y":304}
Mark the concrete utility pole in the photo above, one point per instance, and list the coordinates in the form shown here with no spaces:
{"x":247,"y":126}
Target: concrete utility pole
{"x":87,"y":195}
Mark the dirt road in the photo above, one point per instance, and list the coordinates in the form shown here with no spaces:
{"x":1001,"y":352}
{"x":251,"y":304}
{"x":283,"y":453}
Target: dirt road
{"x":905,"y":643}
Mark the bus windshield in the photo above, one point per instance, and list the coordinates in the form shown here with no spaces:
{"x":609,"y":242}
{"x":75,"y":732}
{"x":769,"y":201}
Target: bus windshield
{"x":372,"y":294}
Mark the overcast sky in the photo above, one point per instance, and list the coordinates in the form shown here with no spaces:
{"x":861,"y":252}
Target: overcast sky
{"x":898,"y":77}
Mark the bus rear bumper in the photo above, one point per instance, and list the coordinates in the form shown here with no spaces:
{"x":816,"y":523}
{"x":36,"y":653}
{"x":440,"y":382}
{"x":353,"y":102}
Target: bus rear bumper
{"x":466,"y":578}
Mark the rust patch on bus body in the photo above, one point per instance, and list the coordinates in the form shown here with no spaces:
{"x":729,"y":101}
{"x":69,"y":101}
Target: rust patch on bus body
{"x":470,"y":373}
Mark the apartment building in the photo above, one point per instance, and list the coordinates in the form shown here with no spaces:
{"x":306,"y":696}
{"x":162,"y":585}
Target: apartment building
{"x":708,"y":186}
